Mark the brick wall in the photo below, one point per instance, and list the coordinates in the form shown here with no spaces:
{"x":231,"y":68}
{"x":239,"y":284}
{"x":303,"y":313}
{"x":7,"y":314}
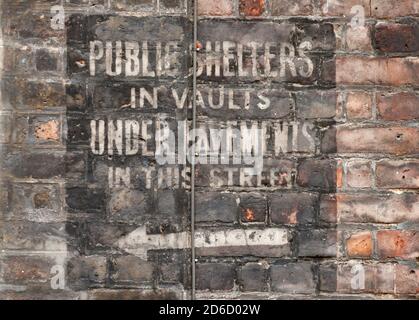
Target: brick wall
{"x":337,"y":201}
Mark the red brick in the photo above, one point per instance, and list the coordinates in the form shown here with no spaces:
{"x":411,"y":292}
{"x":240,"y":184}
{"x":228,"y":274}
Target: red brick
{"x":403,"y":174}
{"x":252,"y":8}
{"x":328,"y":209}
{"x":359,"y":105}
{"x":343,"y":7}
{"x":407,"y":279}
{"x":377,"y":70}
{"x":378,"y":208}
{"x":398,"y":106}
{"x":358,"y":39}
{"x":377,"y":278}
{"x":393,"y":37}
{"x":339,"y":8}
{"x":359,"y":245}
{"x":398,"y":244}
{"x":215,"y":7}
{"x":389,"y":140}
{"x":359,"y":174}
{"x":389,"y":8}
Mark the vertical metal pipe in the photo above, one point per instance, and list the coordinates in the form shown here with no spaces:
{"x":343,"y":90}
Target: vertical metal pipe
{"x":194,"y":50}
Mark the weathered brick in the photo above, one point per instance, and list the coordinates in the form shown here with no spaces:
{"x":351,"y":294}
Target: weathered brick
{"x":83,"y":199}
{"x":172,"y":5}
{"x":299,"y":8}
{"x":293,"y":278}
{"x":253,"y":207}
{"x":6,"y":126}
{"x":359,"y":174}
{"x":317,"y":243}
{"x":253,"y":277}
{"x":377,"y":70}
{"x":344,"y":7}
{"x":398,"y":244}
{"x":215,"y":276}
{"x":33,"y":236}
{"x":5,"y":202}
{"x":173,"y":266}
{"x":358,"y":39}
{"x":39,"y":292}
{"x":75,"y":167}
{"x":407,"y":279}
{"x":46,"y":60}
{"x":388,"y":140}
{"x":37,"y":130}
{"x":26,"y":269}
{"x":37,"y":24}
{"x":356,"y":277}
{"x":328,"y":277}
{"x":34,"y":95}
{"x":398,"y":106}
{"x":125,"y":204}
{"x":397,"y":174}
{"x":48,"y":131}
{"x":131,"y":294}
{"x":86,"y":271}
{"x":378,"y":208}
{"x":359,"y":245}
{"x":91,"y":237}
{"x":18,"y":60}
{"x":215,"y":7}
{"x":328,"y":209}
{"x":319,"y":174}
{"x":388,"y":9}
{"x":293,"y":208}
{"x":316,"y":104}
{"x":131,"y":269}
{"x":359,"y":105}
{"x":252,"y":8}
{"x":133,"y":5}
{"x":76,"y":97}
{"x":328,"y":140}
{"x":216,"y":206}
{"x":36,"y":202}
{"x":392,"y":37}
{"x":322,"y":7}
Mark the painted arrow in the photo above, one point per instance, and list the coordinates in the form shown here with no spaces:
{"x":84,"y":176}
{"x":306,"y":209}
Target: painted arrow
{"x":138,"y":242}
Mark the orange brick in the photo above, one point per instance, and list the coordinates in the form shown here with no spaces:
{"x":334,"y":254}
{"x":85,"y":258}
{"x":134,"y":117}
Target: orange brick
{"x":252,"y":8}
{"x":398,"y":244}
{"x":215,"y":7}
{"x":359,"y":245}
